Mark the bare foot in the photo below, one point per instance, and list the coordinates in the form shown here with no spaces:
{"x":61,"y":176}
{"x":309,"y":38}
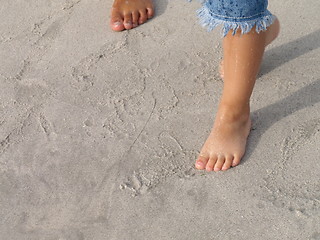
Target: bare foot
{"x":273,"y":32}
{"x":226,"y":143}
{"x":128,"y":14}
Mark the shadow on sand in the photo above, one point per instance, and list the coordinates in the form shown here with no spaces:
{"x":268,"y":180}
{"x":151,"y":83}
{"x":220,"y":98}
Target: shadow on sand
{"x":307,"y":96}
{"x":284,"y":53}
{"x":265,"y":117}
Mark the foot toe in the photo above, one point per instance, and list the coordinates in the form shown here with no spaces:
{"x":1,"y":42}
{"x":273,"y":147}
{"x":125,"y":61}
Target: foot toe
{"x":236,"y":160}
{"x":143,"y":17}
{"x":116,"y":22}
{"x":227,"y":164}
{"x":135,"y":19}
{"x":219,"y":163}
{"x":201,"y":162}
{"x":150,"y":12}
{"x":127,"y":21}
{"x":212,"y":161}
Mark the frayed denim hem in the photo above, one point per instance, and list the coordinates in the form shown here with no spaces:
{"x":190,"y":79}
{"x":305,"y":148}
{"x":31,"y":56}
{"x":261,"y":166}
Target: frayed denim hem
{"x":209,"y":20}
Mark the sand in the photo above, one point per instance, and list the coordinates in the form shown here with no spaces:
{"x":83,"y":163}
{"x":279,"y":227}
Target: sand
{"x":99,"y":130}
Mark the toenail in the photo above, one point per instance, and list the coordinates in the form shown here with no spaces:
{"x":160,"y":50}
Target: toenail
{"x":199,"y":164}
{"x":209,"y":169}
{"x":127,"y":23}
{"x":117,"y":23}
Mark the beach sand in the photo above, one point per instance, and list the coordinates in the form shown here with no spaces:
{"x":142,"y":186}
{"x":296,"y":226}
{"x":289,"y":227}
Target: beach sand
{"x":99,"y":131}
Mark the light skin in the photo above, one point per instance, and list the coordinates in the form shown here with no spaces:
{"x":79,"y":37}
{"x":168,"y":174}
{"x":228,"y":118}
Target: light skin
{"x":128,"y":14}
{"x":242,"y":54}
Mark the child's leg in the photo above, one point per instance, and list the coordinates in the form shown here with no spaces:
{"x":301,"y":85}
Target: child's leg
{"x":226,"y":143}
{"x":128,"y":14}
{"x":273,"y":32}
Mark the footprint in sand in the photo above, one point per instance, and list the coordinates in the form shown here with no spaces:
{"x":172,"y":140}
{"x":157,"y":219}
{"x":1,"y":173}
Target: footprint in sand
{"x":298,"y":191}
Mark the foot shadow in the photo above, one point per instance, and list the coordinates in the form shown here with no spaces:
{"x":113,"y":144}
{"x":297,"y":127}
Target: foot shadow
{"x":265,"y":117}
{"x":160,"y":7}
{"x":284,"y":53}
{"x":307,"y":96}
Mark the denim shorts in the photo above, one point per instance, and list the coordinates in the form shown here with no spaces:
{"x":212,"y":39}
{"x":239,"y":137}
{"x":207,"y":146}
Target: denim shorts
{"x":235,"y":14}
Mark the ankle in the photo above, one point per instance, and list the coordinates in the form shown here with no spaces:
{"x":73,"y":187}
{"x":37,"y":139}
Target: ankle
{"x":234,"y":112}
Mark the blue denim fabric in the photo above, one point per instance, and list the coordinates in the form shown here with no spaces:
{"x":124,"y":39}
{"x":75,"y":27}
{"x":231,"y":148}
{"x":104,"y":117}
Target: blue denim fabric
{"x":236,"y":14}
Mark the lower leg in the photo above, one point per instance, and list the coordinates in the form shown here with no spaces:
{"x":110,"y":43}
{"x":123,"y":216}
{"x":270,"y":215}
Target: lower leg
{"x":272,"y":34}
{"x":226,"y":143}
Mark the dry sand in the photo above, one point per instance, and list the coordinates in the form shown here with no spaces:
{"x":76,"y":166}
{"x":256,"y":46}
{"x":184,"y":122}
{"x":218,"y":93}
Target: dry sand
{"x":99,"y":130}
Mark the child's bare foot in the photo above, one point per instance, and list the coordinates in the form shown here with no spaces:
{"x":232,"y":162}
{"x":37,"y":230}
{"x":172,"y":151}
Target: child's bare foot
{"x":273,"y":32}
{"x":128,"y":14}
{"x":226,"y":143}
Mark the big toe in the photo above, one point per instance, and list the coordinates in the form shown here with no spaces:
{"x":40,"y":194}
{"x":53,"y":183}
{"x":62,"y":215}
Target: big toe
{"x":201,"y":162}
{"x":116,"y":23}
